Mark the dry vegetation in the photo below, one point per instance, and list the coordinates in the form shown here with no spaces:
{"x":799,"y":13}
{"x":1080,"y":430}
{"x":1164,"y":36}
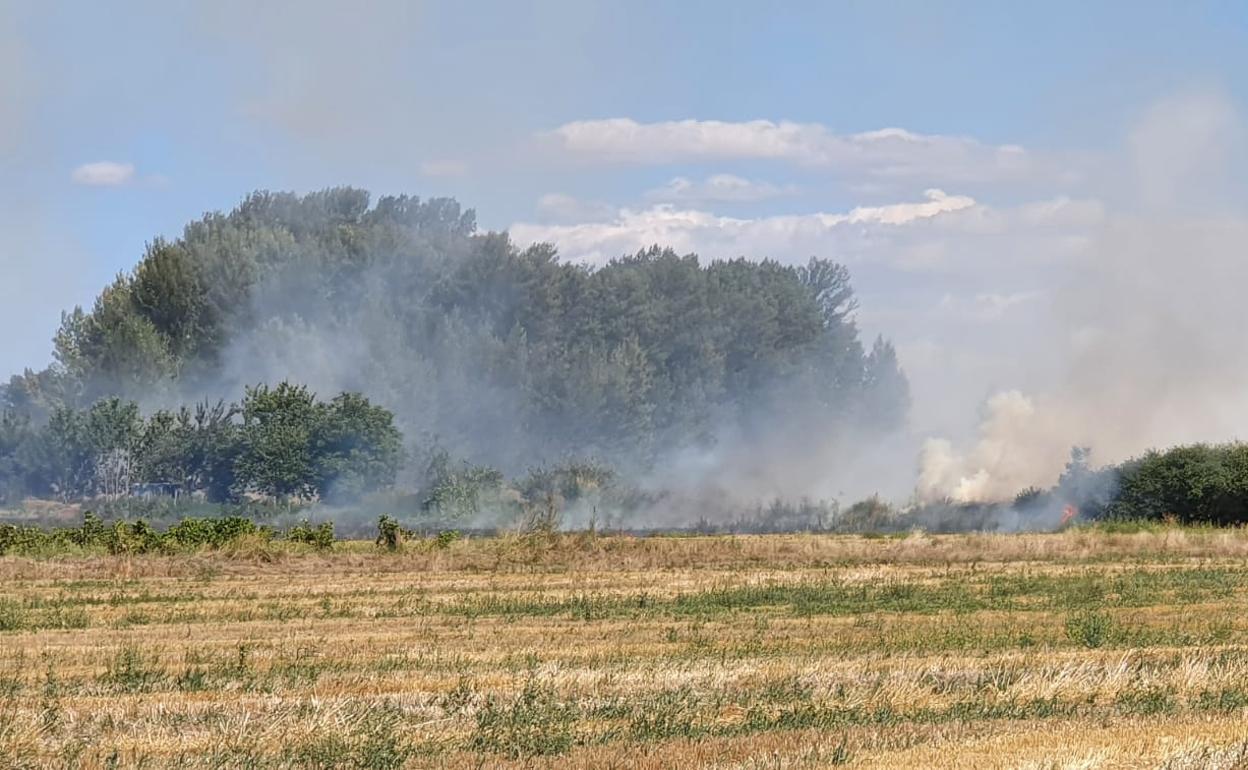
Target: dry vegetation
{"x":1084,"y":649}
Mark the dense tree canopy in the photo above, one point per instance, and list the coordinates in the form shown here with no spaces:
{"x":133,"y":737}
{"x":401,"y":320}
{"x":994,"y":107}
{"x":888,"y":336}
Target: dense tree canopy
{"x":507,"y":356}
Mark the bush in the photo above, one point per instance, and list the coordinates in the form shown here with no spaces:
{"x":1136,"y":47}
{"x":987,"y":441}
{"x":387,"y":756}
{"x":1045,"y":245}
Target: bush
{"x":461,"y":494}
{"x":320,"y":537}
{"x":1194,"y":484}
{"x":138,"y":537}
{"x":1091,"y":629}
{"x":870,"y":515}
{"x":389,"y":533}
{"x":131,"y":538}
{"x":209,"y":533}
{"x":445,"y":538}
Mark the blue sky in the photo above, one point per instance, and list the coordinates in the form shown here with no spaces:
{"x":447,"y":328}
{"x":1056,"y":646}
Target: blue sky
{"x":741,"y":128}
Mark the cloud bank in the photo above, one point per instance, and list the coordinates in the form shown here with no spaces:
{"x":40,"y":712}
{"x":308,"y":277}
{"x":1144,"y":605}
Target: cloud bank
{"x":889,"y":152}
{"x":786,"y":237}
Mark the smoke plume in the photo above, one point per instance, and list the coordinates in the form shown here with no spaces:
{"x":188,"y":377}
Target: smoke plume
{"x":1144,"y":331}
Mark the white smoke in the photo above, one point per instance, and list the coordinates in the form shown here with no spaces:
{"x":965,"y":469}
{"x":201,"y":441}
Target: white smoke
{"x":1148,"y":325}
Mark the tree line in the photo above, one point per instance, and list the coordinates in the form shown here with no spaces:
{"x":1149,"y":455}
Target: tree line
{"x":280,"y":443}
{"x":509,"y":356}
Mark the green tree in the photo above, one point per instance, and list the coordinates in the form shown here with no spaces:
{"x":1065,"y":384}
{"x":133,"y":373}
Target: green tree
{"x":355,"y":448}
{"x":509,"y":356}
{"x":168,"y":291}
{"x":113,"y":430}
{"x":214,"y":446}
{"x":886,"y":392}
{"x":60,"y":458}
{"x":15,"y":435}
{"x":277,"y":457}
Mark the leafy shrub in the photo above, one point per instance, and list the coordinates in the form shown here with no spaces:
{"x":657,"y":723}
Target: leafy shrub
{"x":389,"y":533}
{"x":869,"y":515}
{"x":1091,"y":629}
{"x":320,"y":537}
{"x":132,"y":537}
{"x":92,"y":531}
{"x":138,"y":537}
{"x":1197,"y":483}
{"x":209,"y":533}
{"x":459,"y":494}
{"x":445,"y":538}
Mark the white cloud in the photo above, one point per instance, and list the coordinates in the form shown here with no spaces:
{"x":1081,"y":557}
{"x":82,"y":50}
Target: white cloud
{"x":726,"y":188}
{"x":786,"y":237}
{"x":104,"y":173}
{"x":890,"y":152}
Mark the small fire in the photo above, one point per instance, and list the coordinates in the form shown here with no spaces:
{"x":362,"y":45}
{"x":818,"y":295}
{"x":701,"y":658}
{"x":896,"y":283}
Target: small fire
{"x":1068,"y":513}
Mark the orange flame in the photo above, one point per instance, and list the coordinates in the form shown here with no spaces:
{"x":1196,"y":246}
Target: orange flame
{"x":1068,"y":513}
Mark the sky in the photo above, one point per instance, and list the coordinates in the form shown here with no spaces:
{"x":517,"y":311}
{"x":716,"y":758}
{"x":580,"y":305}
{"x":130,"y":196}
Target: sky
{"x":970,"y":162}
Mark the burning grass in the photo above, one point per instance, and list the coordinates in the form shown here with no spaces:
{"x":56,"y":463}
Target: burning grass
{"x":572,"y":651}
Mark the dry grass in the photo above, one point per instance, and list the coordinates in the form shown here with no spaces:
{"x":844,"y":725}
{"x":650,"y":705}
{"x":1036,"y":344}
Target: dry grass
{"x":1074,"y":650}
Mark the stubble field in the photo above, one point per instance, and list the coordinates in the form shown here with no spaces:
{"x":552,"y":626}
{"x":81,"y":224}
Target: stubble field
{"x":1084,"y":649}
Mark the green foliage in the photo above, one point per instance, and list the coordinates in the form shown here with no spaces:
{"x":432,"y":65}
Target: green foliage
{"x":287,"y":446}
{"x":1197,"y":483}
{"x":507,"y":356}
{"x":571,"y":481}
{"x":446,"y":538}
{"x":59,"y":457}
{"x":1090,"y":628}
{"x":139,"y":536}
{"x":209,"y":533}
{"x":168,"y":291}
{"x":114,"y":348}
{"x":320,"y":537}
{"x":131,"y":671}
{"x":277,"y":433}
{"x":389,"y":533}
{"x":16,"y":438}
{"x":459,"y":494}
{"x":13,"y":616}
{"x":355,"y":447}
{"x":294,"y":446}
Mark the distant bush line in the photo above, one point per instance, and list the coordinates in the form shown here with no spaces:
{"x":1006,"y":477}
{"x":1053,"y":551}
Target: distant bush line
{"x":1195,"y":484}
{"x":279,"y":443}
{"x":140,"y":537}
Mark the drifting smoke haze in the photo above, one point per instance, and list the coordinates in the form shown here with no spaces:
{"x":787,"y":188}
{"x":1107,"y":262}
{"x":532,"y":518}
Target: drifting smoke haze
{"x":1118,"y":327}
{"x":1147,"y":322}
{"x":455,"y":388}
{"x":1046,"y":285}
{"x":704,"y":387}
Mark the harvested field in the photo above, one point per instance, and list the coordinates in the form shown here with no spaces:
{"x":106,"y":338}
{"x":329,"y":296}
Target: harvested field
{"x":1084,"y":649}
